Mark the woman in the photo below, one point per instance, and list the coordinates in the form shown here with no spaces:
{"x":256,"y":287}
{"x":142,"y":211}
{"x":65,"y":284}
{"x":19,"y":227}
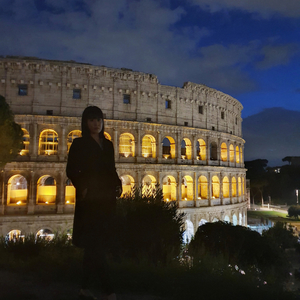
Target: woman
{"x":91,"y":168}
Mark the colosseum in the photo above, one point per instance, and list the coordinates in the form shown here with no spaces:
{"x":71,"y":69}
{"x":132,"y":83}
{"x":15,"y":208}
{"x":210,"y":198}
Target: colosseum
{"x":186,"y":140}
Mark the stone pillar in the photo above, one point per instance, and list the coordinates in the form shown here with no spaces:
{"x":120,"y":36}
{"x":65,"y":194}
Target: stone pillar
{"x":179,"y":196}
{"x":35,"y":142}
{"x":228,"y":153}
{"x":160,"y":180}
{"x":60,"y":194}
{"x":209,"y":189}
{"x":207,"y":151}
{"x":195,"y":188}
{"x":32,"y":194}
{"x":116,"y":144}
{"x":230,"y":188}
{"x":62,"y":144}
{"x":138,"y":144}
{"x":159,"y":148}
{"x":178,"y":147}
{"x":221,"y":189}
{"x":194,"y":149}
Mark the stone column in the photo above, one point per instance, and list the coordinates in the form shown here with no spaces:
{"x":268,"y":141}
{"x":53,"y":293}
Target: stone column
{"x":207,"y":151}
{"x":221,"y":189}
{"x":179,"y":196}
{"x":116,"y":144}
{"x":178,"y":146}
{"x":228,"y":153}
{"x":60,"y":194}
{"x":195,"y":189}
{"x":209,"y":189}
{"x":62,"y":144}
{"x":194,"y":149}
{"x":35,"y":142}
{"x":159,"y":148}
{"x":230,"y":188}
{"x":138,"y":144}
{"x":32,"y":194}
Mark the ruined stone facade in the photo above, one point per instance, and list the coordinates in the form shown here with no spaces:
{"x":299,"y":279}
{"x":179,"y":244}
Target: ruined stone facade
{"x":188,"y":140}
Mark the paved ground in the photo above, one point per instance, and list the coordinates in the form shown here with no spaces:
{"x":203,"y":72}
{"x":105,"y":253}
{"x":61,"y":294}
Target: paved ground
{"x":15,"y":286}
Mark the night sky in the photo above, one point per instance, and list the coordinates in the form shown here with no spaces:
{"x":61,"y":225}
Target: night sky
{"x":248,"y":49}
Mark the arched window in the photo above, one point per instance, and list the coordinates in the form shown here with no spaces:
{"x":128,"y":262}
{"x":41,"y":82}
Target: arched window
{"x":48,"y":144}
{"x":226,"y":219}
{"x":169,"y":188}
{"x":71,"y":136}
{"x":240,"y":186}
{"x":46,"y":234}
{"x":186,"y":149}
{"x":231,"y":153}
{"x":237,"y":154}
{"x":17,"y":190}
{"x":46,"y":190}
{"x":26,"y":137}
{"x":243,"y":185}
{"x":241,"y":154}
{"x":70,"y":192}
{"x":188,"y":232}
{"x":14,"y":235}
{"x":215,"y":187}
{"x":148,"y":146}
{"x":201,"y":149}
{"x":168,"y":147}
{"x":234,"y":220}
{"x":126,"y":145}
{"x":202,"y":187}
{"x":187,"y":188}
{"x":107,"y":135}
{"x":233,"y":186}
{"x":149,"y":183}
{"x":127,"y":184}
{"x":213,"y":151}
{"x":223,"y":152}
{"x":225,"y":187}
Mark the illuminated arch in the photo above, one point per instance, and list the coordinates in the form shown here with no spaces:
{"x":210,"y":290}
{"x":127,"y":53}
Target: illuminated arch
{"x":26,"y":138}
{"x":186,"y":149}
{"x":14,"y":235}
{"x":226,"y":187}
{"x":107,"y":136}
{"x":71,"y":136}
{"x":227,"y":219}
{"x":243,"y":185}
{"x":231,"y":153}
{"x":17,"y":191}
{"x":45,"y":233}
{"x":148,"y":146}
{"x":188,"y":232}
{"x":233,"y":186}
{"x":201,"y":149}
{"x":202,"y":187}
{"x":46,"y":190}
{"x":202,"y":222}
{"x":234,"y":220}
{"x":215,"y":187}
{"x":187,"y":188}
{"x":237,"y":154}
{"x":70,"y":192}
{"x":223,"y":152}
{"x":213,"y":151}
{"x":127,"y":184}
{"x":126,"y":145}
{"x":48,"y":143}
{"x":169,"y":188}
{"x":239,"y":186}
{"x":149,"y":183}
{"x":168,"y":147}
{"x":240,"y":219}
{"x":241,"y":154}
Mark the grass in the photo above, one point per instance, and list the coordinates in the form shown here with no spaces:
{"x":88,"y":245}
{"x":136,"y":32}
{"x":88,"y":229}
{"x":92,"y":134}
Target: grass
{"x":275,"y":216}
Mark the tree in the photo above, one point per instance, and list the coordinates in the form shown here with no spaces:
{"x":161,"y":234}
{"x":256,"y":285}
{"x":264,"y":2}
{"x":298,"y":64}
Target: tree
{"x":294,"y":211}
{"x":11,"y":135}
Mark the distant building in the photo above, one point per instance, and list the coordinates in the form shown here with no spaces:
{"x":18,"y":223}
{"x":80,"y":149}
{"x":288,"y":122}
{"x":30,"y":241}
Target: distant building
{"x":187,"y":140}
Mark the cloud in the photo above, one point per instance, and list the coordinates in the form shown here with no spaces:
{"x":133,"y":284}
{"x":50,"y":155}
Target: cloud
{"x":264,"y":8}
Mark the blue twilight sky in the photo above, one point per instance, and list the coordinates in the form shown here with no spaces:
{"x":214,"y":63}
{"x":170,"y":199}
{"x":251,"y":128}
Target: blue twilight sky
{"x":246,"y":48}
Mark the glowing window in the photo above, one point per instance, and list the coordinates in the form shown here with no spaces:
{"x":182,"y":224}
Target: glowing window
{"x":71,"y":136}
{"x":237,"y":153}
{"x":241,"y":154}
{"x":46,"y":190}
{"x":233,"y":186}
{"x":25,"y":150}
{"x":186,"y":149}
{"x":201,"y":149}
{"x":48,"y":144}
{"x":239,"y":186}
{"x":69,"y":192}
{"x":231,"y":153}
{"x":223,"y":152}
{"x":215,"y":186}
{"x":187,"y":188}
{"x":14,"y":235}
{"x":202,"y":187}
{"x":149,"y":183}
{"x":168,"y":147}
{"x":17,"y":191}
{"x":148,"y":146}
{"x":126,"y":145}
{"x":169,"y":188}
{"x":107,"y":136}
{"x":127,"y":184}
{"x":46,"y":234}
{"x":225,"y":187}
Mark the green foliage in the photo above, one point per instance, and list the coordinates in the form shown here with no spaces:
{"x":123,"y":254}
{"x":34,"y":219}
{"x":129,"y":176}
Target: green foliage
{"x":294,"y":211}
{"x":11,"y":135}
{"x":149,"y":227}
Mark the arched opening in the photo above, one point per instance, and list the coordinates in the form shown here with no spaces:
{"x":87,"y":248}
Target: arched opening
{"x":126,"y":145}
{"x":186,"y":149}
{"x":213,"y":151}
{"x":188,"y":232}
{"x":107,"y":136}
{"x":46,"y":190}
{"x":26,"y":138}
{"x":46,"y":234}
{"x":70,"y":192}
{"x":233,"y":186}
{"x":148,"y":146}
{"x":202,"y":222}
{"x":14,"y":235}
{"x":202,"y":187}
{"x":231,"y":153}
{"x":17,"y":191}
{"x":234,"y":220}
{"x":127,"y":184}
{"x":240,"y":219}
{"x":215,"y":187}
{"x":168,"y":147}
{"x":225,"y":187}
{"x":149,"y":183}
{"x":187,"y":188}
{"x":169,"y":188}
{"x":227,"y":219}
{"x":241,"y":154}
{"x":223,"y":152}
{"x":71,"y":136}
{"x":239,"y":186}
{"x":237,"y":153}
{"x":243,"y":185}
{"x":48,"y":143}
{"x":201,"y":149}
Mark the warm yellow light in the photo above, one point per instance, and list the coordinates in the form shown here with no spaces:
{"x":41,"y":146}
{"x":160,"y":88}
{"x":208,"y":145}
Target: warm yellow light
{"x":183,"y":156}
{"x":68,"y":202}
{"x":166,"y":156}
{"x":185,"y":199}
{"x":19,"y":202}
{"x":199,"y":198}
{"x":47,"y":202}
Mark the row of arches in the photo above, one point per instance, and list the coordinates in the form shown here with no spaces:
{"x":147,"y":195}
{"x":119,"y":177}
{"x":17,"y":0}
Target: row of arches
{"x":203,"y":188}
{"x":48,"y":145}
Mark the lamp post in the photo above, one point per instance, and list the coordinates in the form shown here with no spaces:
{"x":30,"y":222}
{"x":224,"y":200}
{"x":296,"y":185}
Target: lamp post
{"x":297,"y":195}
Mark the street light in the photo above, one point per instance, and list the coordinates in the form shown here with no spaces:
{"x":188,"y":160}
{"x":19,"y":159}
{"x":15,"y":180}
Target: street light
{"x":297,"y":195}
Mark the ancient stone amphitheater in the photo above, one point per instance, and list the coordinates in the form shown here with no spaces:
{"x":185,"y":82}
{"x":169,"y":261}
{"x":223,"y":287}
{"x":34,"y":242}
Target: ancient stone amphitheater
{"x":187,"y":140}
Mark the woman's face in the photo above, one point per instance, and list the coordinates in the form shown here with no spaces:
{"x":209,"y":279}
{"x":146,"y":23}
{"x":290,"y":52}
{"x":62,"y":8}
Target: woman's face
{"x":95,"y":125}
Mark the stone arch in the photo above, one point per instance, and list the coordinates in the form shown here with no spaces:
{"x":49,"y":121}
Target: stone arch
{"x":215,"y":187}
{"x":213,"y":151}
{"x":187,"y":188}
{"x":226,"y":219}
{"x":149,"y":184}
{"x":240,"y":219}
{"x":234,"y":220}
{"x":48,"y":142}
{"x":225,"y":190}
{"x":188,"y":232}
{"x":45,"y":233}
{"x":231,"y":153}
{"x":14,"y":235}
{"x":168,"y":147}
{"x":17,"y":190}
{"x":127,"y":184}
{"x":202,"y":187}
{"x":148,"y":146}
{"x":71,"y":136}
{"x":201,"y":149}
{"x":186,"y":148}
{"x":70,"y":192}
{"x":237,"y":154}
{"x":233,"y":186}
{"x":241,"y":154}
{"x":46,"y":190}
{"x":26,"y":142}
{"x":239,"y":186}
{"x":223,"y":152}
{"x":126,"y":145}
{"x":243,"y":186}
{"x":169,"y":188}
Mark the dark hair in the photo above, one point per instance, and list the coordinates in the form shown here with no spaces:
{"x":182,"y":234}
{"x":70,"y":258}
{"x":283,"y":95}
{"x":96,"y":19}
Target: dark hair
{"x":91,"y":112}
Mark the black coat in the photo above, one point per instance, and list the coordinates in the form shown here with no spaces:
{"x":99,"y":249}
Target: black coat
{"x":92,"y":169}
